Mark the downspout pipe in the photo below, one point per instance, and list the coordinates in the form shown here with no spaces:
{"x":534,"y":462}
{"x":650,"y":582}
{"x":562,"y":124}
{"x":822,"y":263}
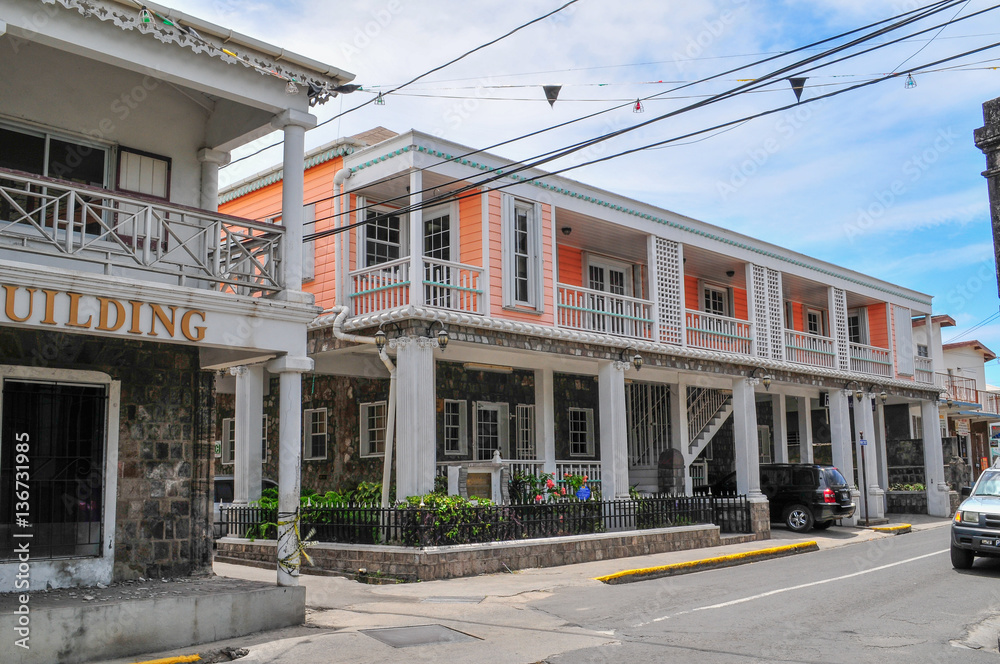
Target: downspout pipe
{"x":340,"y":288}
{"x":390,"y":420}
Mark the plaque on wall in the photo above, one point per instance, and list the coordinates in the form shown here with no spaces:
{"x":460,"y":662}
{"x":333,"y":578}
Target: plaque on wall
{"x":480,"y":485}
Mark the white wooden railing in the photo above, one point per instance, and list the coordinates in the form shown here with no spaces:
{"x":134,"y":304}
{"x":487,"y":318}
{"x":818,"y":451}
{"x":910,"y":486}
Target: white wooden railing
{"x":923,"y":370}
{"x":191,"y":247}
{"x":870,"y":360}
{"x":526,"y":467}
{"x":714,"y":332}
{"x":702,"y":405}
{"x":957,"y":388}
{"x":811,"y":349}
{"x":453,"y":286}
{"x":990,"y":401}
{"x":381,"y":287}
{"x":598,"y":311}
{"x":591,"y":470}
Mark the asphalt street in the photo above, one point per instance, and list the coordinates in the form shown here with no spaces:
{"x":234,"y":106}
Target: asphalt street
{"x":861,"y":598}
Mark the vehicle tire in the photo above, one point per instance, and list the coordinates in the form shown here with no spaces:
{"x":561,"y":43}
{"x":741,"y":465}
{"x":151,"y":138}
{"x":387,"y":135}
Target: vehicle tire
{"x":823,"y":525}
{"x":961,"y":558}
{"x":798,"y":518}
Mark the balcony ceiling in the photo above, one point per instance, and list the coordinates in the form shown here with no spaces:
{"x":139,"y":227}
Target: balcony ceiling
{"x":711,"y":266}
{"x":600,"y":237}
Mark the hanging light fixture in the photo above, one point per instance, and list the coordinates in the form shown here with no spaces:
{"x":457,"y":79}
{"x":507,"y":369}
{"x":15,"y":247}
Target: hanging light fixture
{"x":380,"y":100}
{"x":637,"y":107}
{"x":910,"y":83}
{"x":144,"y":15}
{"x":291,"y":88}
{"x":380,"y":339}
{"x":442,"y":335}
{"x":637,"y":361}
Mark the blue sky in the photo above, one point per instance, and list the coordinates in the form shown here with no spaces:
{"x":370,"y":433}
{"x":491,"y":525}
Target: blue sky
{"x":885,"y":180}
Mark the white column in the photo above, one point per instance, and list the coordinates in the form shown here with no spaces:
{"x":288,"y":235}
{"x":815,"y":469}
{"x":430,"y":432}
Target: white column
{"x":249,"y":413}
{"x":805,"y":429}
{"x":745,"y":438}
{"x":864,"y":423}
{"x":289,"y":370}
{"x":938,"y":503}
{"x":679,"y":429}
{"x":841,"y":438}
{"x":294,"y":124}
{"x":416,"y":240}
{"x":545,"y":418}
{"x":614,"y":429}
{"x":883,"y":468}
{"x":779,"y":408}
{"x":211,"y":161}
{"x":416,"y":455}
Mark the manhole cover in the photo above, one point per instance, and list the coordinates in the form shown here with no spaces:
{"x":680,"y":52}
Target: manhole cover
{"x":418,"y":635}
{"x":453,"y":600}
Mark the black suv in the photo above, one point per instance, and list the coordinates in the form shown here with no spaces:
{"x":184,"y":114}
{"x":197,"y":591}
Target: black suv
{"x":800,"y":495}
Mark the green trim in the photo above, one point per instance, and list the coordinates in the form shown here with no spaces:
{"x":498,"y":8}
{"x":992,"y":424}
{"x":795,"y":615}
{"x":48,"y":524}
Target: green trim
{"x":809,"y":350}
{"x":865,"y":359}
{"x":459,"y":288}
{"x":719,"y":334}
{"x":278,"y":176}
{"x":605,"y":313}
{"x":636,"y":213}
{"x":380,"y":289}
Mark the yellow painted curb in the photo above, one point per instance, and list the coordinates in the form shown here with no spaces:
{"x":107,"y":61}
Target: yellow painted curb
{"x":895,"y":530}
{"x":708,"y":563}
{"x":173,"y":660}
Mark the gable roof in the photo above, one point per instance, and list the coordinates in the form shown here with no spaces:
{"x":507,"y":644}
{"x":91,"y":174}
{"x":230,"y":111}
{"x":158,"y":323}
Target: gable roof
{"x":975,"y":345}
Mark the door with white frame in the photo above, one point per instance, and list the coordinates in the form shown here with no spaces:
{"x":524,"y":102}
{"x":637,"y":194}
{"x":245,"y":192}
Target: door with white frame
{"x":615,"y":278}
{"x":492,"y":427}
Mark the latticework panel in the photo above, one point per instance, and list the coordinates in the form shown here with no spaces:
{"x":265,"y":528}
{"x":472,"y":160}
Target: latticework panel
{"x":774,"y":311}
{"x":840,"y":325}
{"x":762,"y":333}
{"x":668,"y":291}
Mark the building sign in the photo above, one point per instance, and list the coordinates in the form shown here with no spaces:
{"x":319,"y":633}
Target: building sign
{"x":962,"y":427}
{"x":79,"y":311}
{"x":479,"y":485}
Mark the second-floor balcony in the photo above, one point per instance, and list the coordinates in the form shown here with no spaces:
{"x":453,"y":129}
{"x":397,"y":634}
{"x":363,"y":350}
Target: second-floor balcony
{"x":811,"y":349}
{"x":103,"y":231}
{"x":871,"y":360}
{"x":957,"y":388}
{"x":923,"y":370}
{"x":605,"y":313}
{"x":721,"y":333}
{"x":446,"y":285}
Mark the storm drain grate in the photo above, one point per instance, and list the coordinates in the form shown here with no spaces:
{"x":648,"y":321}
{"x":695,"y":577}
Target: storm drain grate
{"x":418,"y":635}
{"x":453,"y":600}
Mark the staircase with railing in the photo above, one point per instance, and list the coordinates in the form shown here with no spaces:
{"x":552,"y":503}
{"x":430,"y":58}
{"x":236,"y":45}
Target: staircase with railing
{"x":707,"y":411}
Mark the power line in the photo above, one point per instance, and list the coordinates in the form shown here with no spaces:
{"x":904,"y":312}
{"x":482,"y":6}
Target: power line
{"x":982,"y":323}
{"x":759,"y":82}
{"x":427,"y":73}
{"x":450,"y":195}
{"x":917,"y":14}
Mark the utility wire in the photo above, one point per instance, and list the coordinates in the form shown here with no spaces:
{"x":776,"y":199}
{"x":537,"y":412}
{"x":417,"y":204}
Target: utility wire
{"x":919,"y":14}
{"x":426,"y":73}
{"x":757,"y":83}
{"x":960,"y":10}
{"x":982,"y":323}
{"x":450,"y":195}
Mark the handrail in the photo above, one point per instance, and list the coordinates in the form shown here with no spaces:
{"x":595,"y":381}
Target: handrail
{"x":870,"y":360}
{"x":812,"y":349}
{"x":721,"y":333}
{"x":594,"y":310}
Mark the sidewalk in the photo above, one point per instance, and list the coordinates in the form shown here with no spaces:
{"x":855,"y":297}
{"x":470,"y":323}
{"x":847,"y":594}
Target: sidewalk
{"x":492,"y":602}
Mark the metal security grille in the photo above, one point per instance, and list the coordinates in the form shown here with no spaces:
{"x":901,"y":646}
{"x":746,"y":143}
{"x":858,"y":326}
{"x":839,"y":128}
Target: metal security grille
{"x":64,"y":426}
{"x":648,"y":412}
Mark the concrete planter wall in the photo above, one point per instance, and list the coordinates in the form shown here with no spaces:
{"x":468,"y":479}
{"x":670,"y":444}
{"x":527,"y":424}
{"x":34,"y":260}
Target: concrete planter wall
{"x":906,"y":502}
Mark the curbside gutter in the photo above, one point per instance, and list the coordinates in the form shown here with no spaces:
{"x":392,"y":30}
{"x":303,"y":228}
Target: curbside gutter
{"x":894,"y":530}
{"x":647,"y":573}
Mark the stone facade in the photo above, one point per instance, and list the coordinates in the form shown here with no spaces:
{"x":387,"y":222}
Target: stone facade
{"x":432,"y":563}
{"x":164,"y":448}
{"x":906,"y":502}
{"x":760,"y":519}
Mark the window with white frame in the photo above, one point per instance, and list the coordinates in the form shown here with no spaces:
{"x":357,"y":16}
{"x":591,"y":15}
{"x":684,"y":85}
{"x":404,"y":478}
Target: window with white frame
{"x":525,"y":432}
{"x":373,"y":426}
{"x":228,"y":441}
{"x":857,"y":326}
{"x":815,"y":322}
{"x":715,"y":300}
{"x":764,"y":443}
{"x":923,"y":351}
{"x":314,"y":438}
{"x":492,"y":429}
{"x":918,"y":426}
{"x":522,"y":267}
{"x":581,"y":432}
{"x":455,"y":428}
{"x":383,"y":237}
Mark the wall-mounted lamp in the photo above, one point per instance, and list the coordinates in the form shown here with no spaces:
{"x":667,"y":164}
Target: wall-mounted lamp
{"x":566,"y":230}
{"x":730,"y":273}
{"x":859,"y":392}
{"x":635,"y":358}
{"x":949,"y":403}
{"x":883,"y":396}
{"x":380,"y":339}
{"x":764,"y":378}
{"x":442,"y":335}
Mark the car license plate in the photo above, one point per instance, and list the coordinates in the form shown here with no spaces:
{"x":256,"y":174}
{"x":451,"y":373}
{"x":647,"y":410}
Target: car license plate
{"x":987,"y":541}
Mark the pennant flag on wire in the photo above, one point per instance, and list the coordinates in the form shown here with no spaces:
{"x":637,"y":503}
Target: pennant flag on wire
{"x":797,"y":85}
{"x":552,"y":93}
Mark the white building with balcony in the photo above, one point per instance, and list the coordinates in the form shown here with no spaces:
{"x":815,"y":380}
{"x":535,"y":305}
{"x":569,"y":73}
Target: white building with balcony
{"x":124,"y":289}
{"x":552,"y":293}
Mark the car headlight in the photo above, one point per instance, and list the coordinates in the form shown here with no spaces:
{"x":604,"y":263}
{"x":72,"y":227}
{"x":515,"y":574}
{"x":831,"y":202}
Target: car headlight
{"x":967,"y":517}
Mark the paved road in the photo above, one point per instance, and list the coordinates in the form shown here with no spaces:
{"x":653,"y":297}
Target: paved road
{"x":891,"y":599}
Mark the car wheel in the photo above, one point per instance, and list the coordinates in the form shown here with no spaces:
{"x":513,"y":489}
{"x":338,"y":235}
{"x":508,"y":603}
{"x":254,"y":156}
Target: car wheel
{"x":798,"y":518}
{"x":961,"y":558}
{"x":823,"y":525}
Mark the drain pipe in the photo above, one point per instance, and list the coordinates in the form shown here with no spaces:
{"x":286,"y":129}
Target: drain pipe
{"x":340,"y":288}
{"x":390,"y":420}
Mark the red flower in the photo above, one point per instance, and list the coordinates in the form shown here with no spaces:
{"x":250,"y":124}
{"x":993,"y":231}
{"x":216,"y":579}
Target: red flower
{"x":538,"y":498}
{"x":584,"y":478}
{"x":549,"y":483}
{"x":563,"y":491}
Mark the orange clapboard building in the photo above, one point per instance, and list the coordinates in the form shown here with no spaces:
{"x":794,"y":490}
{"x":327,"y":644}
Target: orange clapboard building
{"x":552,"y":295}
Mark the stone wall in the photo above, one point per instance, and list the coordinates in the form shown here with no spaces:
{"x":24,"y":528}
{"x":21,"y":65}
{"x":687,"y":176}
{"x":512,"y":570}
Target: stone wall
{"x":906,"y":502}
{"x":432,"y":563}
{"x":573,"y":391}
{"x":760,"y":519}
{"x":164,"y":487}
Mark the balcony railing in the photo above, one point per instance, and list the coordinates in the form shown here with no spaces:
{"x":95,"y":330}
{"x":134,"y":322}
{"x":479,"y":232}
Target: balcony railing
{"x":381,"y":287}
{"x":957,"y":388}
{"x":871,"y":360}
{"x":923,"y":370}
{"x":453,"y":286}
{"x":191,"y":247}
{"x":604,"y":313}
{"x":990,"y":401}
{"x":811,"y":349}
{"x":714,"y":332}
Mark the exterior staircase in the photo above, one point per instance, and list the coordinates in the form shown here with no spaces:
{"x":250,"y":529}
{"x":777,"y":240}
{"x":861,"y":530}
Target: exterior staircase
{"x":708,"y":410}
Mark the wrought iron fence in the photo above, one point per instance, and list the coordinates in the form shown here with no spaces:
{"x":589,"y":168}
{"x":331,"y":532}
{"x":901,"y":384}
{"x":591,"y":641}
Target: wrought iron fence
{"x":466,"y":524}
